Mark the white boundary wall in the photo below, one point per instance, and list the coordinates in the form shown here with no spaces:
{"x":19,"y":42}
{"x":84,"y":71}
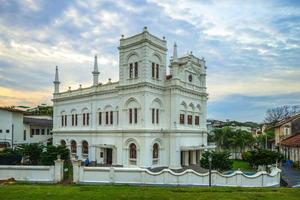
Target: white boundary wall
{"x":106,"y":175}
{"x":50,"y":174}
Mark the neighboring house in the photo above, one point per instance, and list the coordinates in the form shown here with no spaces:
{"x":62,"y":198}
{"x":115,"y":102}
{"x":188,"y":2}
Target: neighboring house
{"x":286,"y":128}
{"x":18,"y":128}
{"x":290,"y":147}
{"x":146,"y":119}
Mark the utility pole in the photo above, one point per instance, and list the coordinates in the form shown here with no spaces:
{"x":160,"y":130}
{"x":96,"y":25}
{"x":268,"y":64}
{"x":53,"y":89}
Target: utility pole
{"x":12,"y":136}
{"x":209,"y":161}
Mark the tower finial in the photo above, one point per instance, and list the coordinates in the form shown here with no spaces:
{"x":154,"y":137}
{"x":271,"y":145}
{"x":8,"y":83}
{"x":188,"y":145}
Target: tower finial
{"x":175,"y":52}
{"x":56,"y":81}
{"x":95,"y":72}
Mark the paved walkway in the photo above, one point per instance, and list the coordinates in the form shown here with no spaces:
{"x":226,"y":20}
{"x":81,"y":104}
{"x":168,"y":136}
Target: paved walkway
{"x":290,"y":175}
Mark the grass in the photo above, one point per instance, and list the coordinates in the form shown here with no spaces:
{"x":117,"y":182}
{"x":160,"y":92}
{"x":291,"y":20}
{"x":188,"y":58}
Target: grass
{"x":74,"y":192}
{"x":242,"y":165}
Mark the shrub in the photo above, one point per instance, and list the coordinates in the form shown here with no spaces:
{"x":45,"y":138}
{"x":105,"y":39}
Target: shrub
{"x":220,"y":160}
{"x":262,"y":157}
{"x":32,"y":152}
{"x":10,"y":157}
{"x":50,"y":154}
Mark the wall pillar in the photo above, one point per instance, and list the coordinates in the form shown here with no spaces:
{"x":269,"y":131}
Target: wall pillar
{"x":76,"y":170}
{"x":186,"y":158}
{"x":79,"y":152}
{"x":58,"y":170}
{"x":193,"y":161}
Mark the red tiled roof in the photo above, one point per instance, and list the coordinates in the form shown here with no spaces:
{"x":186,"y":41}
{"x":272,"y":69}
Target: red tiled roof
{"x":284,"y":121}
{"x":293,"y":141}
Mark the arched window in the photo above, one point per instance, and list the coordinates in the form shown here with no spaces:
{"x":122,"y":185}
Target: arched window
{"x":73,"y":146}
{"x":63,"y":143}
{"x":155,"y":151}
{"x":85,"y":147}
{"x":132,"y":151}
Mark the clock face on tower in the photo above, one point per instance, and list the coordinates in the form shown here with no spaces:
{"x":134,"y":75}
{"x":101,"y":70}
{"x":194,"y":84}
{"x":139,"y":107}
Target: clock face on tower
{"x":190,"y":78}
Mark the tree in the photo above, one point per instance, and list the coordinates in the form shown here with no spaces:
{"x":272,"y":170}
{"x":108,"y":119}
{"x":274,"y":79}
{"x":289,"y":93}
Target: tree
{"x":50,"y":154}
{"x":277,"y":114}
{"x":32,"y":152}
{"x":227,"y":138}
{"x":220,"y":160}
{"x":262,"y":157}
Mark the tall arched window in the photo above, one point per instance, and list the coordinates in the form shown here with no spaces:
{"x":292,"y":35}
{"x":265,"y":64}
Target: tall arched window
{"x":132,"y":151}
{"x":85,"y":147}
{"x":155,"y":151}
{"x":63,"y":143}
{"x":73,"y":146}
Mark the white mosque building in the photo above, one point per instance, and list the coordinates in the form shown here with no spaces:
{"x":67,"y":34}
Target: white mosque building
{"x":146,"y":119}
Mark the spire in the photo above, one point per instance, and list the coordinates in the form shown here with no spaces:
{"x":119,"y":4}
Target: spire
{"x":175,"y":52}
{"x":95,"y":72}
{"x":56,"y":81}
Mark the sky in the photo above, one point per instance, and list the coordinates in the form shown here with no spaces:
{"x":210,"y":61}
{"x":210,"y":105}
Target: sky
{"x":252,"y":49}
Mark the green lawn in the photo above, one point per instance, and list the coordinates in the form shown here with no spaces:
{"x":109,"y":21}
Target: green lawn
{"x":85,"y":192}
{"x":242,"y":165}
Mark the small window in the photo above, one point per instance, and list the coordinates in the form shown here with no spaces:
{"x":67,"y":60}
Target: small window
{"x":190,"y":119}
{"x":65,"y":120}
{"x":7,"y":130}
{"x":197,"y":120}
{"x":24,"y":135}
{"x":83,"y":119}
{"x":181,"y":119}
{"x":130,"y":115}
{"x":0,"y":130}
{"x":157,"y":116}
{"x":132,"y":151}
{"x":43,"y":131}
{"x":190,"y":78}
{"x":111,"y":117}
{"x":48,"y":131}
{"x":106,"y":117}
{"x":37,"y":131}
{"x":32,"y":133}
{"x":135,"y":115}
{"x":157,"y":71}
{"x":130,"y":70}
{"x":136,"y":70}
{"x":153,"y":115}
{"x":85,"y":147}
{"x":153,"y":70}
{"x":73,"y":120}
{"x":87,"y":118}
{"x":73,"y":147}
{"x":100,"y":118}
{"x":155,"y":151}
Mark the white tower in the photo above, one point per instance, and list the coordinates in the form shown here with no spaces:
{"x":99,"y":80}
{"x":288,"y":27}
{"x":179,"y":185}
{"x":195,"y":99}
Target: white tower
{"x":95,"y":72}
{"x":56,"y":81}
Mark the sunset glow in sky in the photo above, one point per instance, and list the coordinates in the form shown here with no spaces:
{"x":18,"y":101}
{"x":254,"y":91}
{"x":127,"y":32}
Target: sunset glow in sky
{"x":252,"y":50}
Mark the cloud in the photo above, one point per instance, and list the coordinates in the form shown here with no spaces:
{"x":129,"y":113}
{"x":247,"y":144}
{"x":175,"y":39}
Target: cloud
{"x":252,"y":49}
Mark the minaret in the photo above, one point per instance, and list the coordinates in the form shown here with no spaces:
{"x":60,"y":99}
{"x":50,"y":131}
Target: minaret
{"x":56,"y":81}
{"x":175,"y":53}
{"x":95,"y":72}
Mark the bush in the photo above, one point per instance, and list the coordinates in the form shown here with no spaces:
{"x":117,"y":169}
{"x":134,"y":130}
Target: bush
{"x":10,"y":157}
{"x":32,"y":152}
{"x":50,"y":154}
{"x":262,"y":157}
{"x":220,"y":160}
